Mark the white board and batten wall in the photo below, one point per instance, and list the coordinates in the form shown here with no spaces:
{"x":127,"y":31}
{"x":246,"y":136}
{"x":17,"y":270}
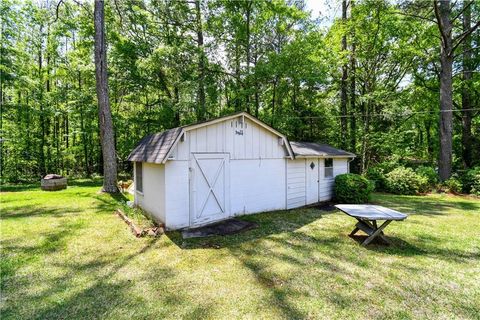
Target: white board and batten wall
{"x":227,"y":168}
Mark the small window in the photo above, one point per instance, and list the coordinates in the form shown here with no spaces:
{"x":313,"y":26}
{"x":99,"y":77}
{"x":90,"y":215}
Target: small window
{"x":328,"y":168}
{"x":138,"y":176}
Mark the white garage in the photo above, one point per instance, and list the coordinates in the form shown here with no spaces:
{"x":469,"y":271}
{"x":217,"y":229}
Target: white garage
{"x":198,"y":174}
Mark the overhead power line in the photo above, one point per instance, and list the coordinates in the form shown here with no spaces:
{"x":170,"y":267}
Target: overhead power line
{"x":404,"y":114}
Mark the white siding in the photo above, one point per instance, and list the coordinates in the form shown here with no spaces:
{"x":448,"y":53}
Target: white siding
{"x":152,"y":200}
{"x":242,"y":140}
{"x":340,"y":166}
{"x":296,"y":183}
{"x":177,"y":194}
{"x":257,"y":185}
{"x":261,"y":178}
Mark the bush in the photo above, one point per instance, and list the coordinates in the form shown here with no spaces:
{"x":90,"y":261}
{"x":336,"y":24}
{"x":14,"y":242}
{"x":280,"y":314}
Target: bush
{"x":352,"y":188}
{"x":429,"y":173}
{"x":471,"y":181}
{"x":405,"y":181}
{"x":377,"y":176}
{"x":453,"y":185}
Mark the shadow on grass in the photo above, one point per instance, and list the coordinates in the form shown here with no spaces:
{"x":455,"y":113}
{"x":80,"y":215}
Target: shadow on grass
{"x":292,"y":255}
{"x":323,"y":250}
{"x":109,"y":202}
{"x":30,"y":211}
{"x":18,"y":255}
{"x":93,"y":182}
{"x":19,"y":187}
{"x":253,"y":249}
{"x":104,"y":295}
{"x":269,"y":223}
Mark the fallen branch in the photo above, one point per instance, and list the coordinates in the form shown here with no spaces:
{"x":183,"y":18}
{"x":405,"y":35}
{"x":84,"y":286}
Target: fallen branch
{"x":137,"y":232}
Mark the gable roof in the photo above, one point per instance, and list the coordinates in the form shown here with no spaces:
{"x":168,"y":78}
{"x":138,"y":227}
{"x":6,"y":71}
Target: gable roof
{"x":157,"y":147}
{"x":312,"y":149}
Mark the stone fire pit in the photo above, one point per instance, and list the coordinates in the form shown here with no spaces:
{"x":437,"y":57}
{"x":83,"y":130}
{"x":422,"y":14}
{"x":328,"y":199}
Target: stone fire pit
{"x":53,"y":182}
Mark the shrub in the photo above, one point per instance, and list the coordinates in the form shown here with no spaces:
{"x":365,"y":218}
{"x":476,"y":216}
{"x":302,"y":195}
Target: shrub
{"x":405,"y":181}
{"x":453,"y":185}
{"x":429,"y":173}
{"x":352,"y":188}
{"x":471,"y":181}
{"x":377,"y":176}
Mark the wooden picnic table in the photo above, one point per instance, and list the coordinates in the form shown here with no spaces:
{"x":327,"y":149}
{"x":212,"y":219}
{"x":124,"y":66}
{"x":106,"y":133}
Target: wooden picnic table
{"x":367,"y":216}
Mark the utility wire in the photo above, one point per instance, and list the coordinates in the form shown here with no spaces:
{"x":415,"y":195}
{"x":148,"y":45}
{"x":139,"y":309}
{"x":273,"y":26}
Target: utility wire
{"x":408,"y":113}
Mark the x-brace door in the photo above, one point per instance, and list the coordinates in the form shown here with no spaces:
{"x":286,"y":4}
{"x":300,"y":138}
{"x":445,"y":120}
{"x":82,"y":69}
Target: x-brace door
{"x":209,"y":185}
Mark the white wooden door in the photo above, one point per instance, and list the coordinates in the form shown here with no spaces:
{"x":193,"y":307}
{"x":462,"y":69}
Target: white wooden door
{"x":209,"y":187}
{"x":312,"y":180}
{"x":296,"y":183}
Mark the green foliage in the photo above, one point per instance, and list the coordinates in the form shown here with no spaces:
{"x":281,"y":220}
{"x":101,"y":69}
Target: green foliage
{"x":471,"y":181}
{"x":352,"y":188}
{"x":377,"y":176}
{"x":403,"y":180}
{"x":429,"y":173}
{"x":453,"y":185}
{"x":280,"y":64}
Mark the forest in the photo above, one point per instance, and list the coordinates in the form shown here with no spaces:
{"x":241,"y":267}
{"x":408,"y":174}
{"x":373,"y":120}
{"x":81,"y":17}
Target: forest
{"x":395,"y":82}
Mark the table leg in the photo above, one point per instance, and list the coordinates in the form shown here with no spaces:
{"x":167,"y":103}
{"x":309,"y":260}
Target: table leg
{"x":377,"y":232}
{"x":373,"y":225}
{"x":354,"y":231}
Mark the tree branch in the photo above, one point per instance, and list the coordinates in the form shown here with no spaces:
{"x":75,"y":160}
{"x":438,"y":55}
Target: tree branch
{"x":416,"y":16}
{"x":439,"y":21}
{"x":461,"y":11}
{"x":464,"y":35}
{"x":465,"y":51}
{"x":56,"y":10}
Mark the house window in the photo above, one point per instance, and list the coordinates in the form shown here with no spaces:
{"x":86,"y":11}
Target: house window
{"x":138,"y":176}
{"x":328,"y":168}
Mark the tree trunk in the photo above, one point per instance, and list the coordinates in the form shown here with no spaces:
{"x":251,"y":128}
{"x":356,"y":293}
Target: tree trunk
{"x":42,"y":111}
{"x":428,"y":137}
{"x":365,"y":107}
{"x":247,"y":49}
{"x":343,"y":84}
{"x":201,"y":112}
{"x":257,"y":95}
{"x":353,"y":122}
{"x":443,"y":12}
{"x":237,"y":76}
{"x":466,"y":97}
{"x":274,"y":96}
{"x":104,"y":112}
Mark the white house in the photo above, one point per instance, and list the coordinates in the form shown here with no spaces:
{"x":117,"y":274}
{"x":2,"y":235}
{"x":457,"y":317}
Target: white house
{"x":234,"y":165}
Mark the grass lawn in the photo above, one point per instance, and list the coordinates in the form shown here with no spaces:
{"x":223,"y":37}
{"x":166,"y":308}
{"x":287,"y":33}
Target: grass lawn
{"x":65,"y":255}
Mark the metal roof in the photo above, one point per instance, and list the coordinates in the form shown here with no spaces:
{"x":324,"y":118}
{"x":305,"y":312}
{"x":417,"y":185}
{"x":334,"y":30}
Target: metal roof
{"x":312,"y":149}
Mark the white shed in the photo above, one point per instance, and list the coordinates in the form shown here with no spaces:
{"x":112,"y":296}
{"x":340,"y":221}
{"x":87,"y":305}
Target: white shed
{"x":234,"y":165}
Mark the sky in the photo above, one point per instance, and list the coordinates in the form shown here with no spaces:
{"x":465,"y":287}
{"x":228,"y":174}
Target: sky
{"x":325,"y":10}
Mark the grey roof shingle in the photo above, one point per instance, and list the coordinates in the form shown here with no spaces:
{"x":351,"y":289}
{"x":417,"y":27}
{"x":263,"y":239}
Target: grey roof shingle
{"x":154,"y":148}
{"x":317,"y":149}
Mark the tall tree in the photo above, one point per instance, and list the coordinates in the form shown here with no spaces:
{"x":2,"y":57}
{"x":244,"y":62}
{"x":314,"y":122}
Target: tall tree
{"x":445,"y":22}
{"x":343,"y":84}
{"x":104,"y":113}
{"x":467,"y":70}
{"x":201,"y":109}
{"x":353,"y":120}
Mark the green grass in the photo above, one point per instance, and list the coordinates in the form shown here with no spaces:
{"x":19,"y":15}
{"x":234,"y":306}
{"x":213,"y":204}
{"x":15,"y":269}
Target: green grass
{"x":65,"y":255}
